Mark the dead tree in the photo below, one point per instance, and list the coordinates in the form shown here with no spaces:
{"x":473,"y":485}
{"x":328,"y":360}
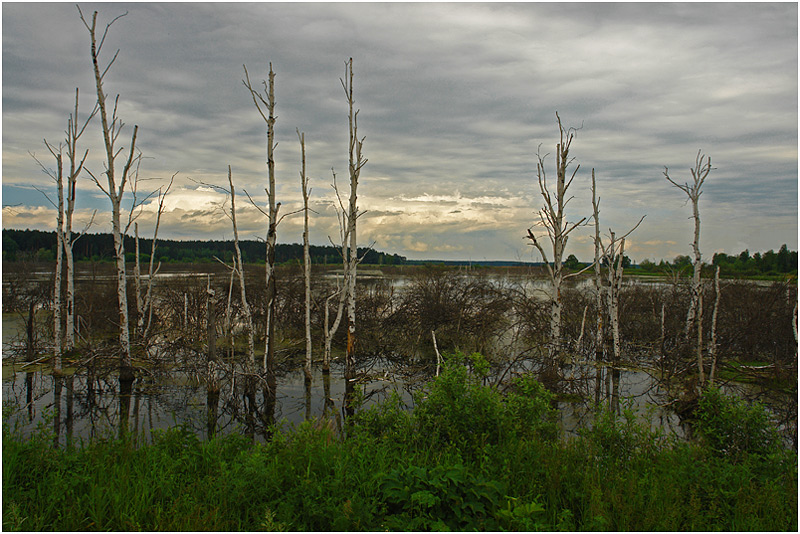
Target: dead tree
{"x":74,"y":132}
{"x":712,"y":346}
{"x":64,"y":338}
{"x":342,"y":285}
{"x":57,"y":175}
{"x":239,"y":265}
{"x":112,"y":127}
{"x":268,"y":104}
{"x":144,"y":301}
{"x":612,"y":255}
{"x":306,"y":255}
{"x":341,"y":288}
{"x":553,"y":218}
{"x":356,"y":163}
{"x":693,"y":191}
{"x":599,"y":352}
{"x":598,"y":281}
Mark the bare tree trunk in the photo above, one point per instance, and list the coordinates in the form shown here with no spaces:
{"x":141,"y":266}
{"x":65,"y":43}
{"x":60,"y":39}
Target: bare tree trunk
{"x":712,"y":346}
{"x":615,"y":269}
{"x":598,"y":280}
{"x":662,"y":340}
{"x":75,"y":167}
{"x":227,"y":326}
{"x":436,"y":350}
{"x":552,"y":218}
{"x":114,"y":191}
{"x":122,"y":292}
{"x":306,"y":260}
{"x":355,"y":166}
{"x":329,"y":332}
{"x":699,"y":173}
{"x":248,"y":317}
{"x":699,"y":331}
{"x":58,"y":177}
{"x":211,"y":335}
{"x":58,"y":343}
{"x":212,"y":383}
{"x":272,"y":214}
{"x":137,"y":283}
{"x":144,"y":303}
{"x":69,"y":298}
{"x":583,"y":327}
{"x":341,"y":287}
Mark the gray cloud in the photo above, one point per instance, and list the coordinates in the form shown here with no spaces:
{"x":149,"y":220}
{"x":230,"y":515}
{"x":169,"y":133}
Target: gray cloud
{"x":454,"y":99}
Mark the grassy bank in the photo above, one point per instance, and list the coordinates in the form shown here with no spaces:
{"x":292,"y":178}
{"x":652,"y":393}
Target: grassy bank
{"x":466,"y":458}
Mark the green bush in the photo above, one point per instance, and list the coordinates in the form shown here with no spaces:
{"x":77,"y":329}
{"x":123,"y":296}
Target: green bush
{"x":530,"y":411}
{"x":451,"y":498}
{"x":616,"y":439}
{"x":732,"y":428}
{"x":389,"y":420}
{"x":457,"y":410}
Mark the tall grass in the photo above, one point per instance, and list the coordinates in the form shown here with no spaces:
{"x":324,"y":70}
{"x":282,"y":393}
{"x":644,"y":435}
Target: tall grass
{"x":466,"y":458}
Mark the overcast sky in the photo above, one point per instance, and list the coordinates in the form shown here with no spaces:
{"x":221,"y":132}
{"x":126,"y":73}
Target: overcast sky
{"x":454,"y":101}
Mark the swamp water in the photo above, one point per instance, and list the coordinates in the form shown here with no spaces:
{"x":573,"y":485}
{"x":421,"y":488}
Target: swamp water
{"x":85,"y":404}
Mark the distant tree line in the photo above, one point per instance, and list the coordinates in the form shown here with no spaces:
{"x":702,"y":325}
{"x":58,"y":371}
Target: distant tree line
{"x":100,"y":247}
{"x":743,"y":264}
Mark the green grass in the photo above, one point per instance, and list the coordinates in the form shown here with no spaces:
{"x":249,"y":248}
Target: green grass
{"x":467,"y":458}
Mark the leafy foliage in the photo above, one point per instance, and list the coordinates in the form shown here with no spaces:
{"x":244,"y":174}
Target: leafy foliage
{"x":734,"y":429}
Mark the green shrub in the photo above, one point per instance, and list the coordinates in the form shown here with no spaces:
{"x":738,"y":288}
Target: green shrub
{"x":615,"y":439}
{"x":530,"y":411}
{"x":389,"y":419}
{"x":451,"y":498}
{"x":732,"y":428}
{"x":457,"y":410}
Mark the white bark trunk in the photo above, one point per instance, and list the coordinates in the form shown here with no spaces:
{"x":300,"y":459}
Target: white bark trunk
{"x":583,"y":326}
{"x":111,"y":130}
{"x":355,"y":165}
{"x":122,"y":290}
{"x":74,"y":132}
{"x":615,"y":269}
{"x":248,"y":317}
{"x":712,"y":346}
{"x":272,"y":215}
{"x":269,"y":349}
{"x":598,"y":280}
{"x":137,"y":284}
{"x":58,"y":346}
{"x":436,"y":350}
{"x":552,"y":217}
{"x":306,"y":257}
{"x":144,"y":302}
{"x":228,"y":329}
{"x":693,"y":191}
{"x":329,"y":332}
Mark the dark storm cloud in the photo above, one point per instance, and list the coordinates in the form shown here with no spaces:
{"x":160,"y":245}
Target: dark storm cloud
{"x":454,"y":99}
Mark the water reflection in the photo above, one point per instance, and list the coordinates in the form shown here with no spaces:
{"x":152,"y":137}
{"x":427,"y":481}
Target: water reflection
{"x":91,"y":404}
{"x":94,"y":403}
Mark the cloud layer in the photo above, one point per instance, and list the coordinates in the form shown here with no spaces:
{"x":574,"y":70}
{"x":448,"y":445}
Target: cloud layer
{"x":455,"y":101}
